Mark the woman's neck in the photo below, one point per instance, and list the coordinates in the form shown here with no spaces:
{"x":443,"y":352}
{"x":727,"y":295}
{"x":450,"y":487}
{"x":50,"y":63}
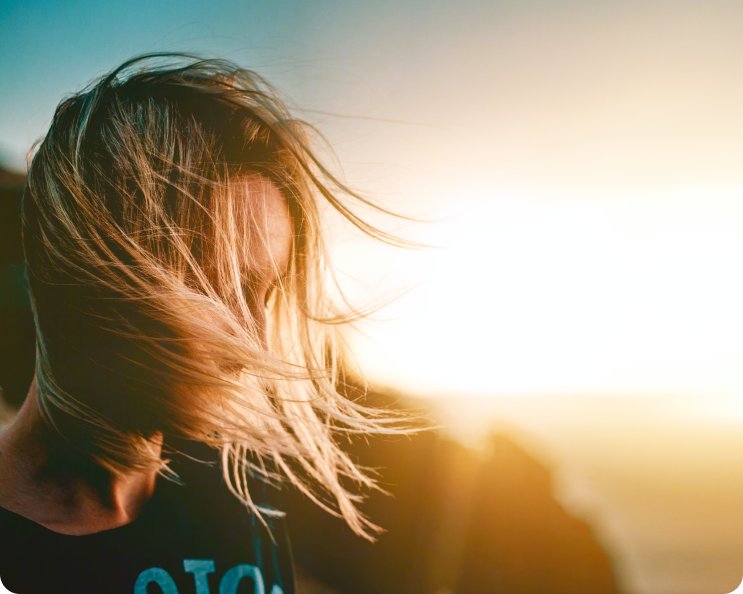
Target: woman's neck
{"x":43,"y":479}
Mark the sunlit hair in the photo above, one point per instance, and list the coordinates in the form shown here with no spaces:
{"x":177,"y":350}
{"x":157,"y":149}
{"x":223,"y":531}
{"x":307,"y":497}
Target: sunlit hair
{"x":139,"y":229}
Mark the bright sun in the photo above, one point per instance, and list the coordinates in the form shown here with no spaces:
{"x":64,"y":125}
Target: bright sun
{"x":619,"y":295}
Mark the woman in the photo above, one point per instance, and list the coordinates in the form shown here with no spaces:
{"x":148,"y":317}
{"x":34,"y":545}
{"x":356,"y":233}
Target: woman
{"x":176,"y":269}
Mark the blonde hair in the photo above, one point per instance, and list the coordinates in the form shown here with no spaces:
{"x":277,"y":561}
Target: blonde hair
{"x":139,"y":229}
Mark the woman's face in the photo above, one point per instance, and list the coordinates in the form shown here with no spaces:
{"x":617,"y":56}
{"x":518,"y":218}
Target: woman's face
{"x":270,"y":242}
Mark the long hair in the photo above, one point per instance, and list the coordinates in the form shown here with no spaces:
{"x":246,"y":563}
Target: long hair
{"x":140,"y":227}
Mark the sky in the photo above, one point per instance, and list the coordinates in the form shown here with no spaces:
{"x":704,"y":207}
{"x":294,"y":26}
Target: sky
{"x":578,"y":163}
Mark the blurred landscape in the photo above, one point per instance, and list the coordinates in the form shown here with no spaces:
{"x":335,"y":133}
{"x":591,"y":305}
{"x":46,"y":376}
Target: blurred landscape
{"x":456,"y":522}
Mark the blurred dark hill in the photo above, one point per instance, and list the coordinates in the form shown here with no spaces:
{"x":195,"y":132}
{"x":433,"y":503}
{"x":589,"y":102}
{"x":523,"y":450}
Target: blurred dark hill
{"x":520,"y":539}
{"x":16,"y":324}
{"x":456,"y":521}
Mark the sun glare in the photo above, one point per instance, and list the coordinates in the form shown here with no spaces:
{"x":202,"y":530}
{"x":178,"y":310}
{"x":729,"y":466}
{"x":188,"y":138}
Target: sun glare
{"x":618,"y":295}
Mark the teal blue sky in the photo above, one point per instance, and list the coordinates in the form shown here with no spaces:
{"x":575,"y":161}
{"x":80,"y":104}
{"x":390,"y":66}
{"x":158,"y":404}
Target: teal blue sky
{"x":318,"y":52}
{"x":52,"y":48}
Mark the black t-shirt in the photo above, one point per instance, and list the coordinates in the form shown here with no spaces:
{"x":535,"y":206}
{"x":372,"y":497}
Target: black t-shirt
{"x":192,"y":539}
